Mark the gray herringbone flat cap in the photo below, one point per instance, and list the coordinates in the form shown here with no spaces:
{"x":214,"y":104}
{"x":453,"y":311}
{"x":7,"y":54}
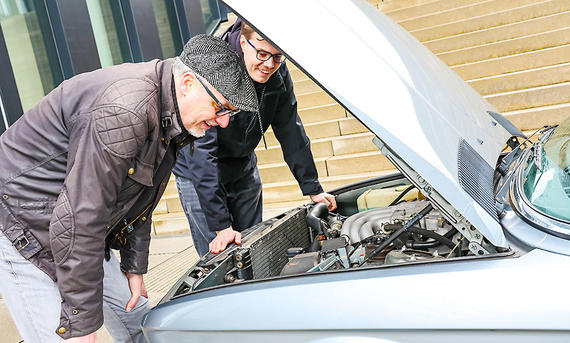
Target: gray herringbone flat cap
{"x":214,"y":60}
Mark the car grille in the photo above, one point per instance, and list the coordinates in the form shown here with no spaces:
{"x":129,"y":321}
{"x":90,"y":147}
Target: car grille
{"x":269,"y":253}
{"x":476,"y":178}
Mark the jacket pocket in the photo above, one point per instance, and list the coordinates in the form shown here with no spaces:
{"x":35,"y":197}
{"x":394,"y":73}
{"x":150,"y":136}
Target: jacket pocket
{"x":62,"y":228}
{"x":139,"y":175}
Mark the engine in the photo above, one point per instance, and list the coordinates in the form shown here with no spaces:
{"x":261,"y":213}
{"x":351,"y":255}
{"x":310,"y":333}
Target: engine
{"x":405,"y":232}
{"x":307,"y":239}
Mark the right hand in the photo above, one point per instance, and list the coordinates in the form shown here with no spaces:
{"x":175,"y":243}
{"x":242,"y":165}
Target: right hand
{"x":91,"y":338}
{"x":224,"y":238}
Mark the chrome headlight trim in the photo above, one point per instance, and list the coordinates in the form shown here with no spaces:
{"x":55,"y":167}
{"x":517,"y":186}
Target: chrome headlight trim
{"x":528,"y":212}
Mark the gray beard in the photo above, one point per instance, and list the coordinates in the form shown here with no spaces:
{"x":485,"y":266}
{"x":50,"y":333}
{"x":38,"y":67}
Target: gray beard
{"x":196,"y":133}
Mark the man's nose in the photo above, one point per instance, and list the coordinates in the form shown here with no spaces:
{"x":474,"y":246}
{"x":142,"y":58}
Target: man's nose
{"x":269,"y":63}
{"x":223,"y":121}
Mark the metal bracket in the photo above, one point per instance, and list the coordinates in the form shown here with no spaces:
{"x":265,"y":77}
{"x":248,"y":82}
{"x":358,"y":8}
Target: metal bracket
{"x":462,"y":225}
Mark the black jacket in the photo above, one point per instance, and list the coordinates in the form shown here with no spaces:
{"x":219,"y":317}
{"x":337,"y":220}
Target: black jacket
{"x":225,"y":155}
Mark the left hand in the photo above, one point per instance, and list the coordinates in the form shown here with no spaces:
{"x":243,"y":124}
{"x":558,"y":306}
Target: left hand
{"x":136,"y":284}
{"x":326,"y":199}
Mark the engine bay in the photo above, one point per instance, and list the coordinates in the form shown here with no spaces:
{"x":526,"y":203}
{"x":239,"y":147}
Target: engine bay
{"x":375,"y":225}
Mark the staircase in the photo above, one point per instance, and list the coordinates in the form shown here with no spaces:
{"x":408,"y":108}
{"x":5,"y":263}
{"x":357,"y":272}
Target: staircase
{"x":514,"y":53}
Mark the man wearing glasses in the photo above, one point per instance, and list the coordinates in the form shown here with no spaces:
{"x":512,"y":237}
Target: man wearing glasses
{"x":81,"y":173}
{"x":218,"y":180}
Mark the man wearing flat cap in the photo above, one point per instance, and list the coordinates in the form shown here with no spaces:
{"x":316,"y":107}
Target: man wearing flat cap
{"x":81,"y":173}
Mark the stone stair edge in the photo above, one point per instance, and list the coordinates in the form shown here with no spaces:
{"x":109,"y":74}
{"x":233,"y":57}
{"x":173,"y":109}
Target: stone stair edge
{"x":269,"y":185}
{"x":485,"y":21}
{"x":484,"y":8}
{"x":319,"y":140}
{"x":530,"y":89}
{"x":491,"y":31}
{"x":528,"y":55}
{"x":404,"y":12}
{"x":317,"y":123}
{"x":396,"y":5}
{"x":505,"y":48}
{"x":522,"y":79}
{"x":520,"y":72}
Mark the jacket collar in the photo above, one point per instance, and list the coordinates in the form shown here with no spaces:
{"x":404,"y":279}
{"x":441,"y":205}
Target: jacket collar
{"x":170,"y":120}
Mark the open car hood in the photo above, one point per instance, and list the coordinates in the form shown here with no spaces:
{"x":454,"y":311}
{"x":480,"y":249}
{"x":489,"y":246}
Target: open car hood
{"x":424,"y":112}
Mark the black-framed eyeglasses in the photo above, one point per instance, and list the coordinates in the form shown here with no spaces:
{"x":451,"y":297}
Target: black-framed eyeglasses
{"x":223,"y":109}
{"x":264,"y":55}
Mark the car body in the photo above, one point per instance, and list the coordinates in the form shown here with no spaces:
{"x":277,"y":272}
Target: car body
{"x":475,"y":248}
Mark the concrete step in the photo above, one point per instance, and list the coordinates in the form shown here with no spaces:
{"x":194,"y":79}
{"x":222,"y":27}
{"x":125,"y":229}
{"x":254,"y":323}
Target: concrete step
{"x":276,"y":172}
{"x":271,"y":210}
{"x":171,"y":189}
{"x":499,"y":33}
{"x":322,"y":113}
{"x":508,"y":47}
{"x":364,"y":162}
{"x":313,"y":99}
{"x":353,"y":150}
{"x":522,"y":79}
{"x":455,"y":14}
{"x":297,"y":74}
{"x":387,"y":6}
{"x":508,"y":64}
{"x":274,"y":154}
{"x":531,"y":97}
{"x":514,"y":14}
{"x":305,"y":86}
{"x":323,"y":129}
{"x":534,"y":118}
{"x":161,"y":207}
{"x":289,"y":191}
{"x":170,"y":224}
{"x":351,"y":129}
{"x":351,"y":125}
{"x":352,"y":144}
{"x":426,"y":8}
{"x":171,"y":204}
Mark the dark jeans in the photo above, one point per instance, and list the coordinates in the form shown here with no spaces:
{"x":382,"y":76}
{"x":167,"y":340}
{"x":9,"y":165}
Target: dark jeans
{"x":244,"y":203}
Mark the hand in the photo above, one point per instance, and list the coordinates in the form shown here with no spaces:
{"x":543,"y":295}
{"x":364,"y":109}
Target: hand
{"x":136,"y":284}
{"x":326,"y":199}
{"x":224,"y":238}
{"x":91,"y":338}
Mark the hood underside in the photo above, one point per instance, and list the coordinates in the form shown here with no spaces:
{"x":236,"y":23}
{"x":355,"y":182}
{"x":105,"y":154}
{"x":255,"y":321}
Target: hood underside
{"x":402,"y":92}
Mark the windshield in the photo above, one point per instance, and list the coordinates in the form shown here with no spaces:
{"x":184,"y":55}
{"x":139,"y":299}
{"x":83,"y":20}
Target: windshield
{"x":547,"y":176}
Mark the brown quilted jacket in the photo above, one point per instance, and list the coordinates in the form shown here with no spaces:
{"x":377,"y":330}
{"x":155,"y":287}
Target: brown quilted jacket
{"x":74,"y":165}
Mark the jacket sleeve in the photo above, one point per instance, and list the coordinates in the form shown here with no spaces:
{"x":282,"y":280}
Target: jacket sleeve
{"x":203,"y":166}
{"x":98,"y":162}
{"x":294,"y":142}
{"x":134,"y":256}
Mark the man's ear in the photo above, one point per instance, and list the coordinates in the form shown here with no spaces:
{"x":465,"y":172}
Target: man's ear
{"x":242,"y":41}
{"x":186,"y":82}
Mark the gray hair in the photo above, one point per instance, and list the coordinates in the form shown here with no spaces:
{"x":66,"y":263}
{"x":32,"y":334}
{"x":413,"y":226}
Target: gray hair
{"x":179,"y":68}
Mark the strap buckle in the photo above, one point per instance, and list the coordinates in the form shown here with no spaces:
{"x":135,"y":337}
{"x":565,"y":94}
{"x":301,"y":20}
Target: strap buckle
{"x":21,"y":243}
{"x":166,"y":122}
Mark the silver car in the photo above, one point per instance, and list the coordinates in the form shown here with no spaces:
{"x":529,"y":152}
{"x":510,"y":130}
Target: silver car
{"x":469,"y":241}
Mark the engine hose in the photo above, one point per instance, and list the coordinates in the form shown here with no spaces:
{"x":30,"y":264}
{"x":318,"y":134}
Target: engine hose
{"x":315,"y":246}
{"x":315,"y":217}
{"x":396,"y":234}
{"x":450,"y":233}
{"x":439,"y":239}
